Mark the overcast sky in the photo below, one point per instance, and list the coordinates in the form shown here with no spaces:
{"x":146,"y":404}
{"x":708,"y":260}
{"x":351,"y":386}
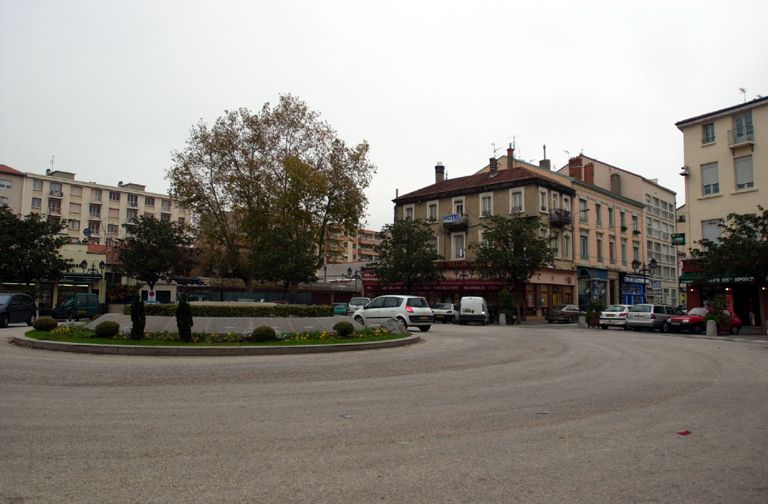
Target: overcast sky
{"x":112,"y":88}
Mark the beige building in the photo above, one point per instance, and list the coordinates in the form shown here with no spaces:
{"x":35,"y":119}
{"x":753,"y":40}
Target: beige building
{"x":725,"y":158}
{"x":654,"y":218}
{"x":11,"y":182}
{"x":341,"y":248}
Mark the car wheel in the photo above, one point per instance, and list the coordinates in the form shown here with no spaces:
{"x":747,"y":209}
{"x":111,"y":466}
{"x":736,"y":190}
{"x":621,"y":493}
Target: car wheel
{"x":626,"y":328}
{"x":402,"y":321}
{"x":424,"y":328}
{"x":549,"y":321}
{"x":31,"y":320}
{"x":360,"y":320}
{"x":698,"y":329}
{"x":603,"y":326}
{"x":3,"y":320}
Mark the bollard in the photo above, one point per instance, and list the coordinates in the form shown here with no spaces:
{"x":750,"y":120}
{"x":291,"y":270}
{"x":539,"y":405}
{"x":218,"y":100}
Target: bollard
{"x":503,"y":319}
{"x":711,"y":328}
{"x":582,"y":321}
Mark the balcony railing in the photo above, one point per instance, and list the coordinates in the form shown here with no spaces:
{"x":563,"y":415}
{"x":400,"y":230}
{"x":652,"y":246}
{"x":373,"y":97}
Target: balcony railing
{"x":559,"y":217}
{"x":455,"y":222}
{"x":741,"y":137}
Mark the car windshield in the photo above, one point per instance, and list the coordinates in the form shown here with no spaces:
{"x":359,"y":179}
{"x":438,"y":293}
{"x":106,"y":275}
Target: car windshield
{"x":418,"y":303}
{"x":358,"y":301}
{"x":644,"y":308}
{"x":615,"y":308}
{"x":697,"y":311}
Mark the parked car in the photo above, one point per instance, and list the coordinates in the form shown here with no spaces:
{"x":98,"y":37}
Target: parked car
{"x":197,"y":297}
{"x":446,"y":312}
{"x":695,"y":321}
{"x":340,"y":308}
{"x":17,"y":308}
{"x":77,"y":306}
{"x":614,"y":316}
{"x":564,"y":313}
{"x":409,"y":310}
{"x":357,"y":302}
{"x":473,"y":309}
{"x":650,"y":316}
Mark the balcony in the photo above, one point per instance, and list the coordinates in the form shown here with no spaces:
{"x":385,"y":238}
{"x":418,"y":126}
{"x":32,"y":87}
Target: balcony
{"x":55,"y":194}
{"x":741,"y":138}
{"x":559,"y":217}
{"x":455,"y":222}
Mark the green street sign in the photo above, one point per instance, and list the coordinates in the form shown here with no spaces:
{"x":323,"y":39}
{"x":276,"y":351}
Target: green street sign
{"x":678,"y":238}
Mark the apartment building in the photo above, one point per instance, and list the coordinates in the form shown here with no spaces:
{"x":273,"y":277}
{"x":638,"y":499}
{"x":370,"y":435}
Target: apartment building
{"x":655,"y":218}
{"x":456,"y":208}
{"x":11,"y":182}
{"x":343,"y":248}
{"x":726,"y":171}
{"x":94,"y":213}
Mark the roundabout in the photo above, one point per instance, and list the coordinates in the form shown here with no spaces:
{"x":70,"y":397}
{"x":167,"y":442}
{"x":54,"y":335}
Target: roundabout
{"x":468,"y":414}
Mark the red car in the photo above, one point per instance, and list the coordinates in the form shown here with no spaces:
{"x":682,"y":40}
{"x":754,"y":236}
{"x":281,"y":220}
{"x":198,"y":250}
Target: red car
{"x":694,"y":321}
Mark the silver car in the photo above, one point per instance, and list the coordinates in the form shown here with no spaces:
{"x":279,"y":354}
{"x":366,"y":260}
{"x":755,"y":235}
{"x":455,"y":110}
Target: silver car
{"x":411,"y":311}
{"x":650,"y":316}
{"x":614,"y":316}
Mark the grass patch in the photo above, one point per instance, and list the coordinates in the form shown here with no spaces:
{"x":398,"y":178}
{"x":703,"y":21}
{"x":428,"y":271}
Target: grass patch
{"x":82,"y":335}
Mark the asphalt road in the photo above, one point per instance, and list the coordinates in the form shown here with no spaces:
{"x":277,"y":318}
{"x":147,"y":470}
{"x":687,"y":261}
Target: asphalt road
{"x":472,"y":414}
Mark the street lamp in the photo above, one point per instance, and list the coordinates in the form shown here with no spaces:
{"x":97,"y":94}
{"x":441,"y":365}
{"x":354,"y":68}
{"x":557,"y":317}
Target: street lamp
{"x":644,"y":269}
{"x":355,"y":275}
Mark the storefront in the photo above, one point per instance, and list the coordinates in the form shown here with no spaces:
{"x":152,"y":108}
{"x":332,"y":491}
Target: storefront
{"x":632,"y":288}
{"x":593,"y":286}
{"x":742,"y":294}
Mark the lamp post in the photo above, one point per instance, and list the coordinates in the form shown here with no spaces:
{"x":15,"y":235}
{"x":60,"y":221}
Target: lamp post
{"x":92,"y":271}
{"x":355,"y":275}
{"x":644,"y":269}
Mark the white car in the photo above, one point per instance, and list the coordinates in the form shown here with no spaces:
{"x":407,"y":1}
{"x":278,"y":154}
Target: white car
{"x":411,"y":311}
{"x":357,"y":302}
{"x":614,"y":316}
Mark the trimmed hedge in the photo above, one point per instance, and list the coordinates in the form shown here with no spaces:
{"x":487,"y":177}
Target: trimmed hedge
{"x":45,"y":324}
{"x":344,"y":329}
{"x":278,"y":310}
{"x":107,"y":329}
{"x":263,"y":333}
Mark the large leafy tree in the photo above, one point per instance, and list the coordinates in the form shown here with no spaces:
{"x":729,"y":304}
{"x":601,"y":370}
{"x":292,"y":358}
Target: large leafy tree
{"x":742,"y":251}
{"x":249,"y":175}
{"x":153,"y":249}
{"x":407,"y":254}
{"x":512,"y":249}
{"x":29,"y":247}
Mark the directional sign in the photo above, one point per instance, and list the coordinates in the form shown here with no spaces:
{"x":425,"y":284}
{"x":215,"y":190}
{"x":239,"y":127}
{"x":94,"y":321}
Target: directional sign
{"x":678,"y":238}
{"x":87,"y":232}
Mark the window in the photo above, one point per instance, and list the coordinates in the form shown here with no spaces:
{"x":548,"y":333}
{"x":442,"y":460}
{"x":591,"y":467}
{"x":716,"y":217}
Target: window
{"x":94,"y":210}
{"x":599,"y":214}
{"x":75,"y":208}
{"x":165,"y":205}
{"x":612,"y":250}
{"x":543,"y":207}
{"x":554,"y":243}
{"x":3,"y":202}
{"x":408,"y":212}
{"x":432,"y":211}
{"x":5,"y":184}
{"x":611,"y":218}
{"x":114,"y":213}
{"x":555,"y":200}
{"x":584,"y":245}
{"x":112,"y":229}
{"x":37,"y":202}
{"x":516,"y":202}
{"x":37,"y":185}
{"x":458,"y":246}
{"x":599,"y":247}
{"x":567,"y":246}
{"x":708,"y":133}
{"x":635,"y":251}
{"x":458,"y":206}
{"x":742,"y":127}
{"x":709,"y":179}
{"x":150,"y":202}
{"x":623,"y":219}
{"x":624,"y":252}
{"x":486,"y":203}
{"x":95,"y":194}
{"x":55,"y":189}
{"x":76,"y":190}
{"x":94,"y":226}
{"x":54,"y":206}
{"x":710,"y":230}
{"x":133,"y":200}
{"x":73,"y":225}
{"x":131,"y":214}
{"x":165,"y":217}
{"x":635,"y":223}
{"x":744,"y":177}
{"x":114,"y":196}
{"x":567,"y":203}
{"x":181,"y":221}
{"x":582,"y":210}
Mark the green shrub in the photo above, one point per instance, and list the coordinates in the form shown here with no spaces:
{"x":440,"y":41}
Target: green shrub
{"x":207,"y":310}
{"x":45,"y":324}
{"x":107,"y":329}
{"x":138,"y":319}
{"x":263,"y":333}
{"x":344,"y":329}
{"x":184,"y":319}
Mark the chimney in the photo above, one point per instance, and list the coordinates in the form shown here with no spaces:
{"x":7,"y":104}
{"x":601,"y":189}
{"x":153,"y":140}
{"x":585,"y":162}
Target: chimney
{"x":616,"y":183}
{"x":574,"y":168}
{"x":439,"y":172}
{"x":589,"y":173}
{"x":510,"y":157}
{"x":120,"y":183}
{"x":545,"y":163}
{"x":493,"y":164}
{"x":47,"y":171}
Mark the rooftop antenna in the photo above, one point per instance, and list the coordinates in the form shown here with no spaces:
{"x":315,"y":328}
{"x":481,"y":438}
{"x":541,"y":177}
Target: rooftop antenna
{"x":51,"y":161}
{"x":743,"y":91}
{"x":493,"y":144}
{"x":567,"y":153}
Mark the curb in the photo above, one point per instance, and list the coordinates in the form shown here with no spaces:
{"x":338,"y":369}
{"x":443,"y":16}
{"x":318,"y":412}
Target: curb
{"x":208,"y":351}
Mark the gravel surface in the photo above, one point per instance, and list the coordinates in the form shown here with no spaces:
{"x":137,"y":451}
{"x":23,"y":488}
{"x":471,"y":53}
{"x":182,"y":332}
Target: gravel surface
{"x":533,"y":414}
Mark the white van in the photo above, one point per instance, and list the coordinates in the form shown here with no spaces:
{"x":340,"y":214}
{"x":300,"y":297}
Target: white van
{"x":473,"y":309}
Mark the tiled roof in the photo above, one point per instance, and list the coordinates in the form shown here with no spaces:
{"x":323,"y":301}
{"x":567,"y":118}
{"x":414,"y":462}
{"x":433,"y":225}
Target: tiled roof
{"x":473,"y":183}
{"x":7,"y":169}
